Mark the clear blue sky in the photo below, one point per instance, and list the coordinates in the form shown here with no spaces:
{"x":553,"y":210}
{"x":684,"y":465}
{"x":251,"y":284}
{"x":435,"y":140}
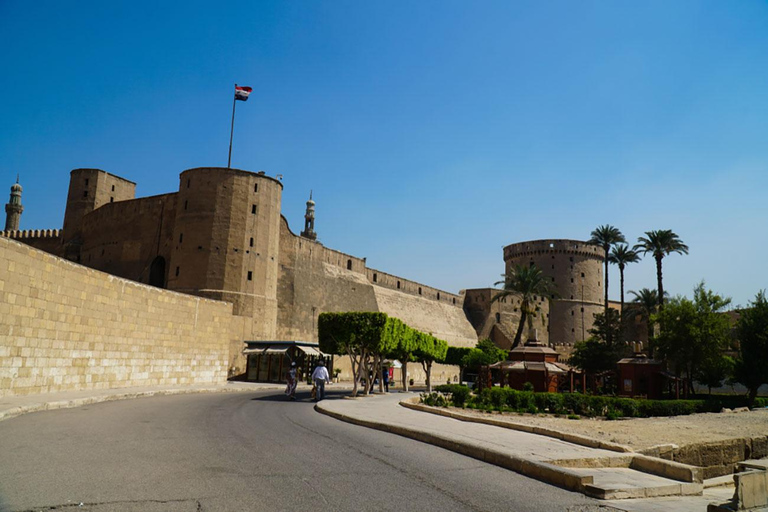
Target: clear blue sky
{"x":432,"y":133}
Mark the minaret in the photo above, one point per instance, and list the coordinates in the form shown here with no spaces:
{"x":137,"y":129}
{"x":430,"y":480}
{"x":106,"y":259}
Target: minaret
{"x":13,"y":209}
{"x":309,"y":220}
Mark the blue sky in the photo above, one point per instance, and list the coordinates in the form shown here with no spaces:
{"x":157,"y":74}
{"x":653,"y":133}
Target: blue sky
{"x":432,"y":133}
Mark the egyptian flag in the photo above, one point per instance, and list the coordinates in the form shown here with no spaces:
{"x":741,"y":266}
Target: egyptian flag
{"x":241,"y":93}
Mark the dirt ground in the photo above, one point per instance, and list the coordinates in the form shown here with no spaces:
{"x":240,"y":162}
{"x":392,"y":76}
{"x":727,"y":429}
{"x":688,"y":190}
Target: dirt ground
{"x":642,"y":433}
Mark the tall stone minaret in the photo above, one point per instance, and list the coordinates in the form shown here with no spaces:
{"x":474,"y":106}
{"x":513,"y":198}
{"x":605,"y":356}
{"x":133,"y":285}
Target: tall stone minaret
{"x":309,"y":220}
{"x":13,"y":209}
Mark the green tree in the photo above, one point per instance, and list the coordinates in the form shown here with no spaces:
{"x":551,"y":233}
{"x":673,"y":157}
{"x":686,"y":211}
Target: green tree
{"x":360,"y":335}
{"x":645,"y":304}
{"x":622,"y":255}
{"x":455,"y":356}
{"x":600,"y":352}
{"x":484,"y":353}
{"x":660,"y":243}
{"x":605,"y":236}
{"x":430,"y":350}
{"x":752,"y":332}
{"x":404,"y":348}
{"x":525,"y":283}
{"x":694,"y":334}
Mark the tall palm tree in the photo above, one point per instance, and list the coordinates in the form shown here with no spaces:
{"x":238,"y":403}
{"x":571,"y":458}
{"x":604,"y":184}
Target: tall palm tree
{"x":606,"y":236}
{"x":622,"y":255}
{"x":660,"y":243}
{"x":645,"y":304}
{"x":524,"y":282}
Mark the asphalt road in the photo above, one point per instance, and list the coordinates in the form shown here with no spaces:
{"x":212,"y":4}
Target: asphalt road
{"x":214,"y":452}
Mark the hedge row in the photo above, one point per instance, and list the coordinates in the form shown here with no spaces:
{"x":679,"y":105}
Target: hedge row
{"x":498,"y":398}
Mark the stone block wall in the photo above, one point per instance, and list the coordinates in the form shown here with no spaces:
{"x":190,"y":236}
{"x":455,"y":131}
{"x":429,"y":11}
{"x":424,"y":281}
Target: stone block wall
{"x":67,"y":327}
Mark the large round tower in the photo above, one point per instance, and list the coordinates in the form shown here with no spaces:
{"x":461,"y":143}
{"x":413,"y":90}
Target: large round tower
{"x":575,"y":268}
{"x":226,"y":242}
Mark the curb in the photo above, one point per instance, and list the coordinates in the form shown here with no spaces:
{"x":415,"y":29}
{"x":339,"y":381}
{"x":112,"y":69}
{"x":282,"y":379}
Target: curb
{"x":545,"y":472}
{"x":641,"y":462}
{"x":410,"y":403}
{"x":79,"y":402}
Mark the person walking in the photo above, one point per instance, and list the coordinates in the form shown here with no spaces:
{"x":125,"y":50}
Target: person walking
{"x":320,"y":377}
{"x":292,"y":378}
{"x":385,"y":379}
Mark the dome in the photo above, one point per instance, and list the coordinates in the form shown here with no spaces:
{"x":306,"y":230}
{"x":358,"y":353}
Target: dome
{"x":16,"y":187}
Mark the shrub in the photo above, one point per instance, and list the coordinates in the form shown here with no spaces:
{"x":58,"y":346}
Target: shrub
{"x":434,"y":399}
{"x":528,"y":386}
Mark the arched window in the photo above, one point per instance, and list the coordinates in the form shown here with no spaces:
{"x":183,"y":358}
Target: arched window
{"x":349,"y":264}
{"x":157,"y":272}
{"x":498,"y":318}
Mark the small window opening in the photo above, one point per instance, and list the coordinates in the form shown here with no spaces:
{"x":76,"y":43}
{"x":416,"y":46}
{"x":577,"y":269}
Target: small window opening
{"x":85,"y":193}
{"x":181,"y":237}
{"x":251,"y":242}
{"x":571,"y":258}
{"x":419,"y":290}
{"x":582,"y":274}
{"x":398,"y":285}
{"x":253,"y":208}
{"x":250,"y":275}
{"x":349,"y":264}
{"x":111,"y":199}
{"x":188,"y":181}
{"x":571,"y":279}
{"x":86,"y":182}
{"x":177,"y":271}
{"x":454,"y":301}
{"x":113,"y":188}
{"x":256,"y":187}
{"x":438,"y":295}
{"x":375,"y":277}
{"x":571,"y":313}
{"x":186,"y":203}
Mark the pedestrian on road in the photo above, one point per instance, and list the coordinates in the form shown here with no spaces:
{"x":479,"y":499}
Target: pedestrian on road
{"x":320,"y":377}
{"x":292,"y":378}
{"x":385,"y":379}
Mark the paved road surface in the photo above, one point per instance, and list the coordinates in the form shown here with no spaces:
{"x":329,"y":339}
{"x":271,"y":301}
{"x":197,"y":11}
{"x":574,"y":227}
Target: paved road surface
{"x":241,"y":451}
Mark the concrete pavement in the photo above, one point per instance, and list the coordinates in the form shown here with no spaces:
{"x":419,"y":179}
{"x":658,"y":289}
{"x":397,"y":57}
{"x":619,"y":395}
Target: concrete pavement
{"x":613,"y":475}
{"x":12,"y":406}
{"x":598,"y":472}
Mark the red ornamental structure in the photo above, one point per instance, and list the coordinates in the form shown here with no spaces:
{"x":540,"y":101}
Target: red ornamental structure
{"x":536,"y":363}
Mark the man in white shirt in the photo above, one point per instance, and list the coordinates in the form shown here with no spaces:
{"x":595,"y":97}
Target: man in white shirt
{"x":320,"y":377}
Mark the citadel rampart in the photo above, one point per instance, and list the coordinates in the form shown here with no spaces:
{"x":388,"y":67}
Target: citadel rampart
{"x":48,"y":240}
{"x":68,"y":327}
{"x":575,"y":269}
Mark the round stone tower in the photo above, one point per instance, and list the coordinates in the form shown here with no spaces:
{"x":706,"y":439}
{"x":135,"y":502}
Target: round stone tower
{"x":575,"y":268}
{"x":14,"y":208}
{"x":226,"y":242}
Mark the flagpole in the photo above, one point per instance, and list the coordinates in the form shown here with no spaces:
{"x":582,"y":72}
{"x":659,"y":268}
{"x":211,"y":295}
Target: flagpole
{"x":232,"y":128}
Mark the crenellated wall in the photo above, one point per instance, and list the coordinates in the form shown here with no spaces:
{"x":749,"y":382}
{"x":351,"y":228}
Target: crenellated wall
{"x":48,"y":240}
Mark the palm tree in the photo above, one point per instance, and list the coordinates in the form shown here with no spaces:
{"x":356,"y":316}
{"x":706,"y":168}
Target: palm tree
{"x":660,"y":243}
{"x":622,"y":255}
{"x":525,"y":283}
{"x":645,"y":304}
{"x":606,"y":236}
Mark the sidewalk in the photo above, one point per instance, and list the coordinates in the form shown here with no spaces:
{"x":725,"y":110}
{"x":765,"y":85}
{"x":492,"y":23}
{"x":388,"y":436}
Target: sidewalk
{"x":593,"y":471}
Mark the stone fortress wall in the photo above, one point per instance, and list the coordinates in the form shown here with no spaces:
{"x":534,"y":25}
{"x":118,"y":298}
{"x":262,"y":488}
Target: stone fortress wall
{"x":498,"y":320}
{"x":67,"y":327}
{"x":222,"y":236}
{"x":575,"y":268}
